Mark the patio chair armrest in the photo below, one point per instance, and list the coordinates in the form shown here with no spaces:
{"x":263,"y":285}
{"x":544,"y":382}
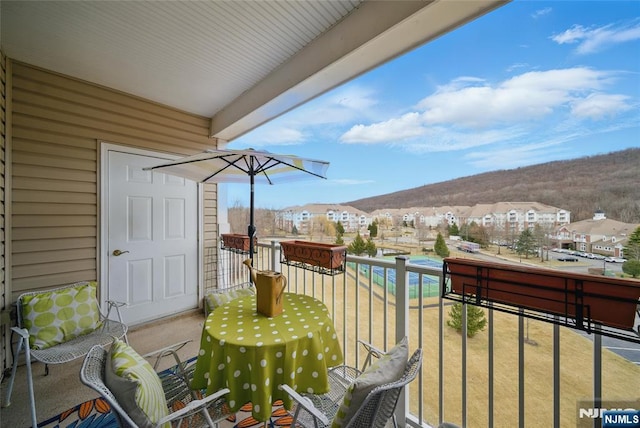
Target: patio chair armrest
{"x":23,"y":332}
{"x":372,"y":351}
{"x":171,"y":350}
{"x":376,"y":352}
{"x":194,"y":406}
{"x":305,"y":403}
{"x":117,"y":305}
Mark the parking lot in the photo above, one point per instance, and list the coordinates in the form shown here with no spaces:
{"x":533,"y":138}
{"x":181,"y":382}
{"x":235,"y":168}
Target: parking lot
{"x":583,"y":264}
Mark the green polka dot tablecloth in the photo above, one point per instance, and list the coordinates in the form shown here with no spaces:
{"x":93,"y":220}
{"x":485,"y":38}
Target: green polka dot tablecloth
{"x":252,"y":354}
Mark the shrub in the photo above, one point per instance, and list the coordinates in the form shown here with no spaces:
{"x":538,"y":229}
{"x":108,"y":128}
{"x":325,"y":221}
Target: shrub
{"x":476,"y":320}
{"x":631,"y":267}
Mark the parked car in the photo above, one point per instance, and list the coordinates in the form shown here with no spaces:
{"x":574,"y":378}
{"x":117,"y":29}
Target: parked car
{"x":567,"y":259}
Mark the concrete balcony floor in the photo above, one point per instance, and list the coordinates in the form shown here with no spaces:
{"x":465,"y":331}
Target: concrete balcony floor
{"x":62,"y":389}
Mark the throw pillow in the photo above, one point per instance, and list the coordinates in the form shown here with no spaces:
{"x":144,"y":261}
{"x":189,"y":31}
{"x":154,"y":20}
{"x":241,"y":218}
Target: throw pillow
{"x":220,"y":297}
{"x":135,"y":385}
{"x":388,"y":368}
{"x":57,"y":316}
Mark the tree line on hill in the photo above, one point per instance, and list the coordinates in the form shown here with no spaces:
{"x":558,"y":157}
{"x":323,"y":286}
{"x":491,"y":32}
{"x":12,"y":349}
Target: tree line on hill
{"x":608,"y":182}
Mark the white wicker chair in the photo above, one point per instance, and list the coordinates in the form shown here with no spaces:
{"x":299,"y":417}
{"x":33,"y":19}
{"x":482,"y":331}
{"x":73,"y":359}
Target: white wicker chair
{"x":376,"y":411}
{"x":193,"y":410}
{"x":182,"y":369}
{"x":62,"y":352}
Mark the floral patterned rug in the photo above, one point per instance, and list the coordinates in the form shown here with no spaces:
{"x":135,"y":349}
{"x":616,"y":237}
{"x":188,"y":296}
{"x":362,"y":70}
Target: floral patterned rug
{"x":97,"y":414}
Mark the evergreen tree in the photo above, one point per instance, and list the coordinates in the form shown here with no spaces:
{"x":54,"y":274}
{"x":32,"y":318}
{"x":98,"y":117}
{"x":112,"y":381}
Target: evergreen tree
{"x":339,"y":240}
{"x":453,"y":230}
{"x":371,"y":248}
{"x":440,"y":247}
{"x":357,"y":246}
{"x":294,"y":230}
{"x":632,"y":254}
{"x":632,"y":249}
{"x":526,"y":243}
{"x":476,"y":320}
{"x":631,"y":267}
{"x":373,"y":229}
{"x":339,"y":228}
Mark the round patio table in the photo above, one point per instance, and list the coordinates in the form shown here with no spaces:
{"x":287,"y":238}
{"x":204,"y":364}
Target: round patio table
{"x":252,"y":354}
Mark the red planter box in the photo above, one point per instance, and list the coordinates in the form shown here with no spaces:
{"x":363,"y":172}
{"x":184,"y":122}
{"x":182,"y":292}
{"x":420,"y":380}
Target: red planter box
{"x":609,"y":301}
{"x":313,"y":253}
{"x":236,"y":241}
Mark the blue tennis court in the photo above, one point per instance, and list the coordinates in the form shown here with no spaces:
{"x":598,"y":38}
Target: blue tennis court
{"x":430,"y":283}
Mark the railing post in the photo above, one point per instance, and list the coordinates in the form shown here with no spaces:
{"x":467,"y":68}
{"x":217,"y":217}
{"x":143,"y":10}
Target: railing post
{"x":597,"y":373}
{"x":521,"y":382}
{"x":556,"y":373}
{"x":275,"y":256}
{"x":402,"y":326}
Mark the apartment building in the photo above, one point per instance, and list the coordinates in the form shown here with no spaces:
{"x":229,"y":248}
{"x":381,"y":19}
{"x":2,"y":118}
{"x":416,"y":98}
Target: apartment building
{"x":598,"y":235}
{"x":506,"y":216}
{"x":312,"y":217}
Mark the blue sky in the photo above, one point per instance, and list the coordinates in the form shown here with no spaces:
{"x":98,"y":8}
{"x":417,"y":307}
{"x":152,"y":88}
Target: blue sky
{"x":529,"y":83}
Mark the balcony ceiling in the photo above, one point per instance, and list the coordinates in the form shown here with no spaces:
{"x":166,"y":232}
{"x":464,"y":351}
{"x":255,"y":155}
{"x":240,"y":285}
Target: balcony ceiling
{"x":241,"y":63}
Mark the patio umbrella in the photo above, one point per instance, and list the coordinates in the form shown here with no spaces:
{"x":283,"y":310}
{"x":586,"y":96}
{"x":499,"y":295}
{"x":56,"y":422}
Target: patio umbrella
{"x":242,"y":166}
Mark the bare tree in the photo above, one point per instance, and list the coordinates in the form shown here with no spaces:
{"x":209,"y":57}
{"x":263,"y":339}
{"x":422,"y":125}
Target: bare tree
{"x":238,"y":218}
{"x":265,"y":221}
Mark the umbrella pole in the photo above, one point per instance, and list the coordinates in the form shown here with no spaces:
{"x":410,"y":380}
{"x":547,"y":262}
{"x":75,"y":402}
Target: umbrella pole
{"x":252,"y":228}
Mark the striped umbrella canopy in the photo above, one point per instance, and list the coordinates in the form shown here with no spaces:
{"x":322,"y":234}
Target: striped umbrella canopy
{"x":244,"y":166}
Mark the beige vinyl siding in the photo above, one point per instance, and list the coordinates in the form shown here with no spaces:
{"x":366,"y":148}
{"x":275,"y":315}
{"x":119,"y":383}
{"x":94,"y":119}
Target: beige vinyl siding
{"x":211,"y":247}
{"x":56,"y":125}
{"x":4,"y":298}
{"x":210,"y":215}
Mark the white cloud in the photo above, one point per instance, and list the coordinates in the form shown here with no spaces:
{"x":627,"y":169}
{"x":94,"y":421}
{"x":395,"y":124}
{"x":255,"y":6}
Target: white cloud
{"x":406,"y":126}
{"x":445,"y":140}
{"x":541,"y":12}
{"x":469,"y":112}
{"x":346,"y":104}
{"x":529,"y":149}
{"x":272,"y":134}
{"x":520,"y":65}
{"x":349,"y":181}
{"x":599,"y":106}
{"x":526,"y":97}
{"x":343,"y":106}
{"x":514,"y":156}
{"x":596,"y":39}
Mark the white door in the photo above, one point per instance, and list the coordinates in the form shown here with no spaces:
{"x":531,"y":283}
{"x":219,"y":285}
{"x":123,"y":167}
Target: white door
{"x":151,"y":239}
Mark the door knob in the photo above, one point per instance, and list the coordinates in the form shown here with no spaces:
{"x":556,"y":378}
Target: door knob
{"x":118,"y":252}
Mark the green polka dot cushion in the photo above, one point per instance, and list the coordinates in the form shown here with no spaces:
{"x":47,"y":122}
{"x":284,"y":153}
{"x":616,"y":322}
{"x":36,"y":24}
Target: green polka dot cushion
{"x":135,"y":384}
{"x":388,"y":368}
{"x":220,"y":297}
{"x":61,"y":315}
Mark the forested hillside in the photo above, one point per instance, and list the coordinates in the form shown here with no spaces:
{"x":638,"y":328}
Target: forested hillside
{"x":609,"y":182}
